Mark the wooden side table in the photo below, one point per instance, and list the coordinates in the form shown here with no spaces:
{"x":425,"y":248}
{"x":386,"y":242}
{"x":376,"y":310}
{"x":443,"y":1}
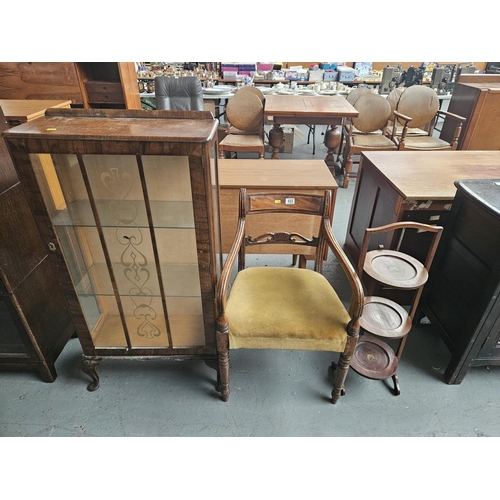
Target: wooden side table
{"x":383,"y":319}
{"x":301,"y":176}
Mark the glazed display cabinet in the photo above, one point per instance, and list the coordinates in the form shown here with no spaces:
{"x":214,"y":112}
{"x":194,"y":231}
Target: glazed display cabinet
{"x":129,"y":214}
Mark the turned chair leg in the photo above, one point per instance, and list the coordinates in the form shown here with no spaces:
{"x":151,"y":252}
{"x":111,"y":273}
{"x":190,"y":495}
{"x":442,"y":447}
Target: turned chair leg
{"x":223,"y":355}
{"x":347,"y":170}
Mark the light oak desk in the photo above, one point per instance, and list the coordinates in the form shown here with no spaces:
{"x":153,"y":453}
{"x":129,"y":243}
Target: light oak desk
{"x":18,"y":111}
{"x":294,"y":176}
{"x":419,"y":186}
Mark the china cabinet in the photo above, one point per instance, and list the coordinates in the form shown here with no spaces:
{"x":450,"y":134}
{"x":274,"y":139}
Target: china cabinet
{"x":134,"y":231}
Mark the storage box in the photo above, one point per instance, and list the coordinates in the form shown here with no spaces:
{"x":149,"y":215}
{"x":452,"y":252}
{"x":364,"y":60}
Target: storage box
{"x":330,"y":75}
{"x":362,"y":68}
{"x":230,"y":75}
{"x":346,"y":74}
{"x":326,"y":66}
{"x":316,"y":75}
{"x":264,"y":67}
{"x":291,"y":74}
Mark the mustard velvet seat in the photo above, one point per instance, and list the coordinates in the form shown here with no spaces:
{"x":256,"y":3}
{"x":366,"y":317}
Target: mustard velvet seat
{"x":286,"y":307}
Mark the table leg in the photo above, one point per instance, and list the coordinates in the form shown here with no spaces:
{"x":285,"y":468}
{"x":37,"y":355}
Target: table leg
{"x":332,"y":142}
{"x":276,"y":139}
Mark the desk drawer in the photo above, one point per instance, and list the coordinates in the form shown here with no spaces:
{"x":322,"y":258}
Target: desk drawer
{"x":103,"y":87}
{"x":98,"y":98}
{"x":104,"y":92}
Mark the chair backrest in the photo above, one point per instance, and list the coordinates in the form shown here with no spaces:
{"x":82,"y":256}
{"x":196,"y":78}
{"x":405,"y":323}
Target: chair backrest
{"x":374,"y":112}
{"x":420,"y":103}
{"x":282,"y":213}
{"x":252,"y":90}
{"x":184,"y":93}
{"x":355,"y":94}
{"x":245,"y":111}
{"x":393,"y":100}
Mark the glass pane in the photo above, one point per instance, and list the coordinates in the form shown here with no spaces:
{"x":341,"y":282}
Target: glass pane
{"x":186,"y":321}
{"x":65,"y":196}
{"x":117,"y":190}
{"x":168,"y":182}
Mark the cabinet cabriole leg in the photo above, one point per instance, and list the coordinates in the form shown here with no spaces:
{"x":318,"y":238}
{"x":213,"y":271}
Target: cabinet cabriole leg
{"x":88,"y":366}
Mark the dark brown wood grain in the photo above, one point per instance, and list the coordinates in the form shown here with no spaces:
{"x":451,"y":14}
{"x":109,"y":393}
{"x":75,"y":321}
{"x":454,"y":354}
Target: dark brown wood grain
{"x":137,"y":133}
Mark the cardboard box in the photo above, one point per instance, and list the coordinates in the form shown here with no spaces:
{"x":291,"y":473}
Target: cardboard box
{"x":288,"y":135}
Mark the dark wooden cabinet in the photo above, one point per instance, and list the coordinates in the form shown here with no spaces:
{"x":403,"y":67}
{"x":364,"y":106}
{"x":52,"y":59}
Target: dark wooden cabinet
{"x":87,"y":84}
{"x":131,"y":218}
{"x":35,"y":323}
{"x":463,"y":294}
{"x":108,"y":85}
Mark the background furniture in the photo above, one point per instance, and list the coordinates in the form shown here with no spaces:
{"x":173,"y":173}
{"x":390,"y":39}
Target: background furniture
{"x":18,"y":111}
{"x":299,"y":176}
{"x":410,"y":186}
{"x":479,"y":103}
{"x":35,"y":322}
{"x":245,"y":125}
{"x":418,"y":107}
{"x":184,"y":93}
{"x":307,"y":110}
{"x":135,"y":237}
{"x":85,"y":84}
{"x":383,"y":320}
{"x":284,"y":307}
{"x":367,"y":131}
{"x":462,"y":297}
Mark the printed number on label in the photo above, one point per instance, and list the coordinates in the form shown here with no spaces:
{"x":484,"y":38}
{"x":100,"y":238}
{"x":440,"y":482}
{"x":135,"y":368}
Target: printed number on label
{"x":289,"y":201}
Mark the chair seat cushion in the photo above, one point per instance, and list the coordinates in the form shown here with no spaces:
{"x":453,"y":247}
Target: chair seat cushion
{"x":424,"y":142}
{"x":246,"y":141}
{"x":372,"y":141}
{"x":285,"y":308}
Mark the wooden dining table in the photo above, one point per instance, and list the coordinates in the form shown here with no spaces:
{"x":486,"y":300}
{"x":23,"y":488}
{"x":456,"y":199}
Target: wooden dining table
{"x":308,"y":110}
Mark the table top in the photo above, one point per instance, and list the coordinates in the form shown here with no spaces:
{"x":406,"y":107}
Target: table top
{"x":269,"y":174}
{"x":430,"y":175}
{"x":24,"y":110}
{"x":308,"y":106}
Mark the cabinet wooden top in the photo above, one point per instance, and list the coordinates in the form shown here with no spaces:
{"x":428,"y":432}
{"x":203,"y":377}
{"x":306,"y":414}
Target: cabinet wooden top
{"x":428,"y":175}
{"x":269,"y":174}
{"x":120,"y":125}
{"x":24,"y":110}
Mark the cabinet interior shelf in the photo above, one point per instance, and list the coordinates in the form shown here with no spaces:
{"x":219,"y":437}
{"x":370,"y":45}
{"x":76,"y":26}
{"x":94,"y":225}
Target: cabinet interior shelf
{"x":166,"y":214}
{"x":179,"y":280}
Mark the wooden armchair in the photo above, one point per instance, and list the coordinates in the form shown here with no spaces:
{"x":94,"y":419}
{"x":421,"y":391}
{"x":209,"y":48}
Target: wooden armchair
{"x":286,"y":307}
{"x":420,"y":105}
{"x":245,"y":124}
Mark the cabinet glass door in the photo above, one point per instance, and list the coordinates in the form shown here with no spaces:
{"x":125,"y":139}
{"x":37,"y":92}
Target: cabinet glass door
{"x":126,"y":229}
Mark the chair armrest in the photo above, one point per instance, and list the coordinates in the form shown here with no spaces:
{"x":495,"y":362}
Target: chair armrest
{"x":452,"y":115}
{"x":358,"y":296}
{"x":406,"y":120}
{"x":227,"y":268}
